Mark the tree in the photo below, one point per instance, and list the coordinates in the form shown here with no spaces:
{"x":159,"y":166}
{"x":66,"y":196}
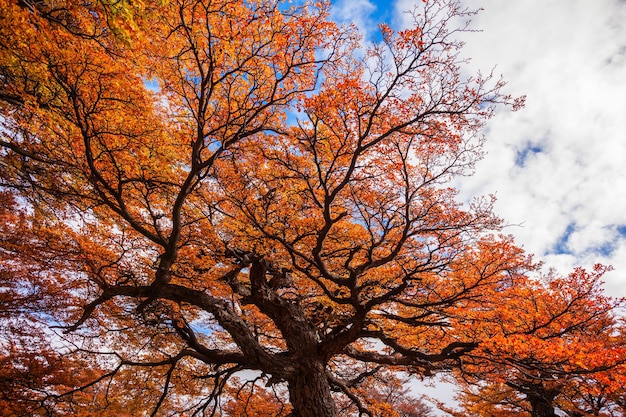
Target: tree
{"x":209,"y":188}
{"x":557,"y":344}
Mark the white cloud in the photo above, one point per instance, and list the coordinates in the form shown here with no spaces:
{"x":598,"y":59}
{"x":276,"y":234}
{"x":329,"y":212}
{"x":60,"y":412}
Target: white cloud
{"x":358,"y":12}
{"x":567,"y":188}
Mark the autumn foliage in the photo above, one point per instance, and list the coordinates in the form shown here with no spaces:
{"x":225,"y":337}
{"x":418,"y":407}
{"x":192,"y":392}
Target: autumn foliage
{"x":235,"y":208}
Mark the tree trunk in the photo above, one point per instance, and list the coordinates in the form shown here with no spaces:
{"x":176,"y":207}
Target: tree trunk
{"x":309,"y":392}
{"x":541,"y":406}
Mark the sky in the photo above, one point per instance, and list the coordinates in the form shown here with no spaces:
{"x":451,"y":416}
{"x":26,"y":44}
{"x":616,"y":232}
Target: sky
{"x":558,"y":166}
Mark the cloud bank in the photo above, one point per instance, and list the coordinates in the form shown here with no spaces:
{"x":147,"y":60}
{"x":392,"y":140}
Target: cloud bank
{"x":557,"y":166}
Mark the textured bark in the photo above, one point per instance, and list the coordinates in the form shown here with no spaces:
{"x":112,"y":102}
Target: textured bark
{"x":309,"y":392}
{"x":542,"y":405}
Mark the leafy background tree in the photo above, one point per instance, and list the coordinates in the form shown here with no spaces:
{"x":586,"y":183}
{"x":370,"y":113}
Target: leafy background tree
{"x":551,"y":350}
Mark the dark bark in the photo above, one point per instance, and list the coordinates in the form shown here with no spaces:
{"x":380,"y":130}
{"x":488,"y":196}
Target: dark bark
{"x":309,"y":388}
{"x":542,"y":405}
{"x":540,"y":398}
{"x":309,"y":392}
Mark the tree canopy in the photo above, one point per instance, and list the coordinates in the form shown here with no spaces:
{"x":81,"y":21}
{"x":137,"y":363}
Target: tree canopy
{"x":221,"y":207}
